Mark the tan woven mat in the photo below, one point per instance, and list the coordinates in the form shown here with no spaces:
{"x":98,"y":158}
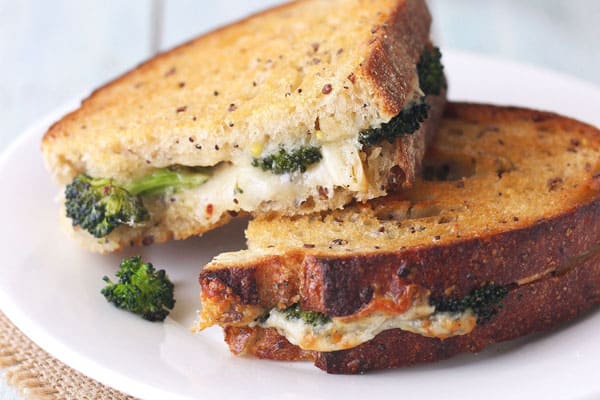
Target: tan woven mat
{"x":39,"y":376}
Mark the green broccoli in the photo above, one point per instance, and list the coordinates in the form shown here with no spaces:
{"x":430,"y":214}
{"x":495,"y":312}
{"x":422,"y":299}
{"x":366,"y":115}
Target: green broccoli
{"x":286,"y":162}
{"x":141,"y":289}
{"x":407,"y":122}
{"x":431,"y":72}
{"x":99,"y":205}
{"x":483,"y":301}
{"x":432,"y":81}
{"x":310,"y":317}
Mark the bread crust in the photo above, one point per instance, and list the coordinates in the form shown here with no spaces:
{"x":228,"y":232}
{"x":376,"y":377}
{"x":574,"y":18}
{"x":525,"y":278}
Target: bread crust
{"x":395,"y":51}
{"x":341,"y":285}
{"x":543,"y":248}
{"x":526,"y":310}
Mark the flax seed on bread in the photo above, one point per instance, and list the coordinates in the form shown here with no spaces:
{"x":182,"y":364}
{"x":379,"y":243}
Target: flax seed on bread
{"x":310,"y":72}
{"x":509,"y":197}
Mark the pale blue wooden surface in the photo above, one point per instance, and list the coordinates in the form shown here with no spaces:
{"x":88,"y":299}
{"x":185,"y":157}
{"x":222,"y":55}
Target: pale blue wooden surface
{"x":556,"y":34}
{"x":183,"y":19}
{"x":51,"y":51}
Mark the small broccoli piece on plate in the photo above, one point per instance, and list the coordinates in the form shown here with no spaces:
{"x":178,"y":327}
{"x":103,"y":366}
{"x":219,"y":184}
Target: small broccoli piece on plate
{"x":99,"y":206}
{"x":141,"y":289}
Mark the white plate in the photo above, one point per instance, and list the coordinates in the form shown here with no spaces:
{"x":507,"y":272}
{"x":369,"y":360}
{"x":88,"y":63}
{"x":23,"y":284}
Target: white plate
{"x":50,"y":289}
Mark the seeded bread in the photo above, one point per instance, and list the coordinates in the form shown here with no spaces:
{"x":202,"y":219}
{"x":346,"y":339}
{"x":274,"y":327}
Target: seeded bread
{"x":508,"y":196}
{"x":312,"y":72}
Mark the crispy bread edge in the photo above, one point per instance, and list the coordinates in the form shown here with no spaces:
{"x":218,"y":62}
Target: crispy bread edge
{"x":340,"y":285}
{"x":526,"y":310}
{"x":389,"y":66}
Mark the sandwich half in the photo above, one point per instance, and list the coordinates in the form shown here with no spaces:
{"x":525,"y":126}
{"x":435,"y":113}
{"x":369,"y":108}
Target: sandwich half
{"x":499,"y":238}
{"x":301,"y":108}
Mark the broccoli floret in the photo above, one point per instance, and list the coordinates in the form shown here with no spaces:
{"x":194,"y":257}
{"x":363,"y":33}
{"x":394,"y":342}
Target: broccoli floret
{"x":407,"y":122}
{"x":141,"y":289}
{"x":483,"y":301}
{"x":310,"y":317}
{"x":99,"y":205}
{"x":286,"y":162}
{"x":431,"y":72}
{"x":432,"y":81}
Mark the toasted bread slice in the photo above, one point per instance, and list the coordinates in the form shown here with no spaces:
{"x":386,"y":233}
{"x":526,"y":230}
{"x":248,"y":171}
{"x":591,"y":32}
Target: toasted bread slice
{"x":499,"y":238}
{"x":309,"y":73}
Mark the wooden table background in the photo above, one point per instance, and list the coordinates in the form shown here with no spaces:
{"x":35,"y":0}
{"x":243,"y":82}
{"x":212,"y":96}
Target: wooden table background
{"x":53,"y":51}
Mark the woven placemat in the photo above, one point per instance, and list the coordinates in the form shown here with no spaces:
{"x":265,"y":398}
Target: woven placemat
{"x":39,"y":376}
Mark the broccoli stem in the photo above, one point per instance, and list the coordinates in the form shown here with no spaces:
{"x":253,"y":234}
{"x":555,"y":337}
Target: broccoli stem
{"x":99,"y":205}
{"x":166,"y":178}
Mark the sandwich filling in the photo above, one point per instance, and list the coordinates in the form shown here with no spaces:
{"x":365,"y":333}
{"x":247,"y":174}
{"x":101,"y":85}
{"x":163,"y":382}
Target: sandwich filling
{"x":101,"y":205}
{"x":413,"y":310}
{"x":342,"y":333}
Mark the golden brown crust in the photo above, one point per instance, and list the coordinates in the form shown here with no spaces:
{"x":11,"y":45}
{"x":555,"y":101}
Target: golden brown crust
{"x":531,"y":308}
{"x":342,"y":284}
{"x":396,"y":49}
{"x":526,"y":310}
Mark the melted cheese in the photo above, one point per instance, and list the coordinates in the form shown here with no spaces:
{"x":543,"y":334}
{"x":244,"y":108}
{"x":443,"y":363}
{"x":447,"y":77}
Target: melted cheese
{"x":340,"y":166}
{"x":344,"y":333}
{"x":239,"y":186}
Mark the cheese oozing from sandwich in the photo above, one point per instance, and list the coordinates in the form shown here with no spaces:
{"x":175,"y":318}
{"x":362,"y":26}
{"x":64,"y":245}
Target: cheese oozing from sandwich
{"x":411,"y":310}
{"x":341,"y":333}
